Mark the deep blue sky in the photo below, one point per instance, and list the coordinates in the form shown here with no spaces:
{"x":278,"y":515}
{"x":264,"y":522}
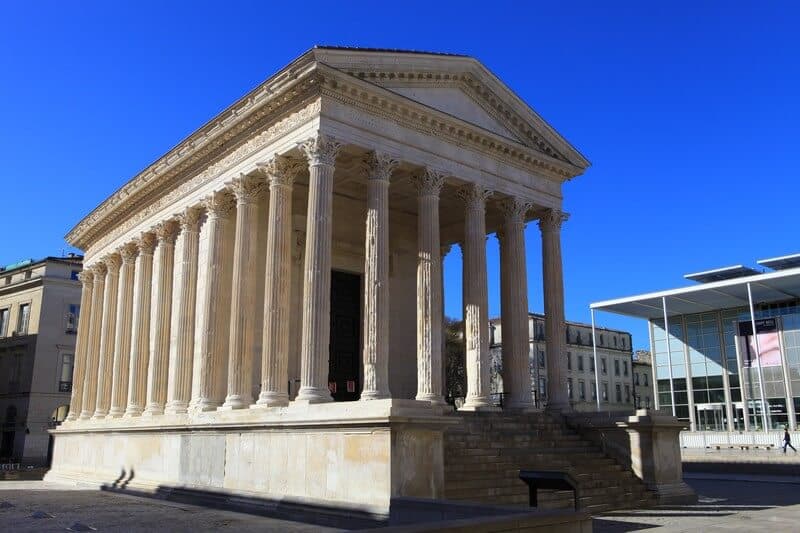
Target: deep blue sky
{"x":689,"y":115}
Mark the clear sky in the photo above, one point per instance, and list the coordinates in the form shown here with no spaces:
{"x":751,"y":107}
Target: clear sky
{"x":688,"y":111}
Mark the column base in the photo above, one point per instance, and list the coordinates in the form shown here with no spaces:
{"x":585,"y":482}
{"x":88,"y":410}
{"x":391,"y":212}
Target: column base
{"x":133,"y":410}
{"x":271,"y":399}
{"x":99,"y":415}
{"x":153,"y":410}
{"x":478,"y":403}
{"x":434,"y":399}
{"x":203,"y":405}
{"x":176,"y":408}
{"x":309,"y":395}
{"x":116,"y":412}
{"x":85,"y":415}
{"x":72,"y":417}
{"x":375,"y":395}
{"x":235,"y":402}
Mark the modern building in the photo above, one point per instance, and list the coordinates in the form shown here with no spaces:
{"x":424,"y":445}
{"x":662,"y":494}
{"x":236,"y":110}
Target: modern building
{"x":39,"y":312}
{"x":266,"y":298}
{"x":615,"y":369}
{"x":643,"y":379}
{"x":709,"y":367}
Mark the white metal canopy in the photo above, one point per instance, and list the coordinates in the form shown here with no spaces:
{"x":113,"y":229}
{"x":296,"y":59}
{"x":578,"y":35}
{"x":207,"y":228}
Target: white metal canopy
{"x":766,"y":288}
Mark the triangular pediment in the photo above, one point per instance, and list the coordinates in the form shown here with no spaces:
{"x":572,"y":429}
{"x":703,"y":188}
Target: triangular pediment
{"x":456,"y":102}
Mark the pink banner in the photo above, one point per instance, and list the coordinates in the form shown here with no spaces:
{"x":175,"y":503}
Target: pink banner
{"x":769,"y":350}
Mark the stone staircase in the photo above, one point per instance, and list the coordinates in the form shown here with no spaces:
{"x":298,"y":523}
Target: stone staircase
{"x":485,"y":452}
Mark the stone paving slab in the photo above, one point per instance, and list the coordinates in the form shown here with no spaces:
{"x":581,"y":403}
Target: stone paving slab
{"x":28,"y":506}
{"x":734,"y":504}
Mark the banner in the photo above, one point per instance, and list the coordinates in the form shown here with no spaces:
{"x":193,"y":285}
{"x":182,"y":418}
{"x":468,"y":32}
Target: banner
{"x":767,"y":351}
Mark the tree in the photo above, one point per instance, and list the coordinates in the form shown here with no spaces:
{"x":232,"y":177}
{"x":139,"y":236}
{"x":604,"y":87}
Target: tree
{"x":455,"y":371}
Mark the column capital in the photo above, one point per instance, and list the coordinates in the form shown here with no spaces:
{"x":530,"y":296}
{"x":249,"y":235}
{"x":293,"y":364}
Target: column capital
{"x":321,"y":149}
{"x":146,"y":243}
{"x":166,"y":231}
{"x":380,"y":166}
{"x":86,"y":276}
{"x":128,"y":252}
{"x":514,"y":210}
{"x":246,"y":188}
{"x":552,"y":219}
{"x":98,"y":271}
{"x":189,"y":218}
{"x":474,"y":196}
{"x":112,"y":261}
{"x":281,"y":170}
{"x":219,"y":204}
{"x":430,"y":182}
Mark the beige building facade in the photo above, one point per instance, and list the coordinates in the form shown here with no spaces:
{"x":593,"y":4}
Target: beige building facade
{"x":265,"y":301}
{"x":39,"y":314}
{"x":614,"y":370}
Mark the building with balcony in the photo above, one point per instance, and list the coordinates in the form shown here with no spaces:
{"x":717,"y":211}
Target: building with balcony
{"x":614,"y":370}
{"x":39,"y":310}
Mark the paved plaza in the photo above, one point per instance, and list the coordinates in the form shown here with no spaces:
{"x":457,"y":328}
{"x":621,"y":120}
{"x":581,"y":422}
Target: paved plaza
{"x":727,"y":503}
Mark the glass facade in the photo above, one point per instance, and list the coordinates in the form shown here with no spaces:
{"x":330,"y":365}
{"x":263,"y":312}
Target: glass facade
{"x":714,"y":373}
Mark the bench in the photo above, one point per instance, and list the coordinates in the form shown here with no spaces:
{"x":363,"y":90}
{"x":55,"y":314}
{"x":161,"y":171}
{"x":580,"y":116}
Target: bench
{"x":545,"y":479}
{"x":742,"y":446}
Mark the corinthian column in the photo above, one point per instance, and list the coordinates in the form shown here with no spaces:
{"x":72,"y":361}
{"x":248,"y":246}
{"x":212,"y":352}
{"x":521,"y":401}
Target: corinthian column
{"x":554,"y":328}
{"x":93,"y":342}
{"x":514,"y":305}
{"x":122,"y":347}
{"x":280,"y":172}
{"x":376,"y":279}
{"x":179,"y":388}
{"x":314,"y":356}
{"x":81,"y":344}
{"x":243,"y":297}
{"x":429,"y":288}
{"x":166,"y":232}
{"x":476,"y":298}
{"x":213,"y":334}
{"x":106,"y":362}
{"x":140,"y":341}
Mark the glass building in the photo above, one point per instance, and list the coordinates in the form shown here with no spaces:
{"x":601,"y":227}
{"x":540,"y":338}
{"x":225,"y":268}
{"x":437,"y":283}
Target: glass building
{"x":709,"y":368}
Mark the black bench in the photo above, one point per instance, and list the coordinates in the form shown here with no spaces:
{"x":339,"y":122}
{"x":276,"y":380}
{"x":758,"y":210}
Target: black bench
{"x":544,"y":479}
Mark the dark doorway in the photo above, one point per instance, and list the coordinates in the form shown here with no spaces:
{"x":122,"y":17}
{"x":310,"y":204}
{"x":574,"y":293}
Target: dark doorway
{"x":345,"y":345}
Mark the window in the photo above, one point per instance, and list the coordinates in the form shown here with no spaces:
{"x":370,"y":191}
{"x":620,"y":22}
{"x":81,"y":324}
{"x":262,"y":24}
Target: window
{"x":647,"y":402}
{"x":618,"y":390}
{"x":580,"y":362}
{"x":541,"y":358}
{"x":16,"y":372}
{"x":65,"y":381}
{"x":594,"y":392}
{"x":8,"y":280}
{"x":644,"y":376}
{"x":616,"y":367}
{"x":4,"y":321}
{"x":624,"y":368}
{"x":72,"y":318}
{"x":636,"y":378}
{"x":74,"y":275}
{"x":605,"y":392}
{"x":24,"y":318}
{"x":591,"y":364}
{"x":542,"y":388}
{"x":615,"y":341}
{"x":582,"y":390}
{"x":569,"y":388}
{"x":569,"y":360}
{"x":627,"y":394}
{"x":603,"y":367}
{"x":27,"y":274}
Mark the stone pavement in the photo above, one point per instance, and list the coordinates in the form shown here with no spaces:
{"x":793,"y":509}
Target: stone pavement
{"x":39,"y":506}
{"x":732,"y":502}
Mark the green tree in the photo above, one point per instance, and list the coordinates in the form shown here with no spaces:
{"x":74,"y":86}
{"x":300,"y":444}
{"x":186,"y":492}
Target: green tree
{"x":455,"y":371}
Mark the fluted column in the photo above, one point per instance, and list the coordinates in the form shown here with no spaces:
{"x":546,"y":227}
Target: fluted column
{"x":240,"y":343}
{"x":179,"y":387}
{"x":140,"y":327}
{"x":514,"y":305}
{"x":213,"y":336}
{"x":321,"y":152}
{"x":122,"y":336}
{"x":476,"y":297}
{"x":81,"y":344}
{"x":158,"y":369}
{"x":106,"y":360}
{"x":376,"y":279}
{"x":280,"y":172}
{"x":93,"y":342}
{"x":554,"y":327}
{"x":443,"y":251}
{"x":429,"y":289}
